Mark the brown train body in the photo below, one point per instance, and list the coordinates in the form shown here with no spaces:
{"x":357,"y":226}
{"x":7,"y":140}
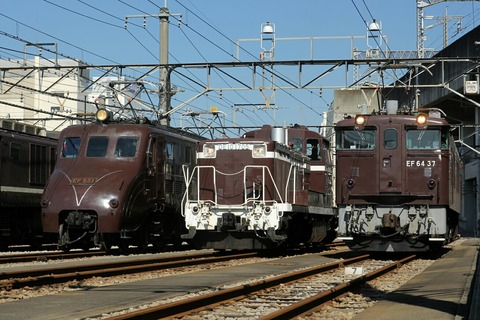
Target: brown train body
{"x":117,"y":184}
{"x":26,"y":161}
{"x":257,"y":192}
{"x":398,"y":183}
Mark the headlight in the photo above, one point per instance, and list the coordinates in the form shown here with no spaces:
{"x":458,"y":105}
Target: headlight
{"x":209,"y":151}
{"x":421,"y":119}
{"x":259,"y":151}
{"x":103,"y":115}
{"x":360,"y":120}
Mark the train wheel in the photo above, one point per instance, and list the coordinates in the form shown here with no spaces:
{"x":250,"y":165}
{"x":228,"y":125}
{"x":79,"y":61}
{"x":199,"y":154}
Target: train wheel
{"x":142,"y":239}
{"x":124,"y":246}
{"x":105,"y":246}
{"x":3,"y":246}
{"x":86,"y":245}
{"x":452,"y":233}
{"x":452,"y":224}
{"x":158,"y":245}
{"x":106,"y":243}
{"x":63,"y":238}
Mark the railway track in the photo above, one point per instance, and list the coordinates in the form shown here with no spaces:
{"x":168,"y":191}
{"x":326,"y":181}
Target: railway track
{"x":60,"y":255}
{"x":55,"y":254}
{"x":247,"y":300}
{"x":46,"y":256}
{"x":61,"y":274}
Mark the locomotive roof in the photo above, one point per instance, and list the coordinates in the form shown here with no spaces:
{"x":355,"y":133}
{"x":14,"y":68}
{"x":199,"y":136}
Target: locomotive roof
{"x":139,"y":127}
{"x":265,"y":133}
{"x":11,"y":132}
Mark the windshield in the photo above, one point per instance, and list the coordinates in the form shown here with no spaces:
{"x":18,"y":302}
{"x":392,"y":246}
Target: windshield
{"x":97,"y":147}
{"x":426,"y":139}
{"x":356,"y":139}
{"x":70,"y":147}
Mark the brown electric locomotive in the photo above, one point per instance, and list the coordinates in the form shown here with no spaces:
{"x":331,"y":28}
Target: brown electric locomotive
{"x":398,"y":182}
{"x":27,"y":157}
{"x":270,"y":188}
{"x":118,"y":184}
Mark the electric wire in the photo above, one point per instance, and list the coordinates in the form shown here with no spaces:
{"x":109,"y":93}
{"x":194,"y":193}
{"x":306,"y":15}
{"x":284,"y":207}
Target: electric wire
{"x":82,"y":14}
{"x":228,"y":39}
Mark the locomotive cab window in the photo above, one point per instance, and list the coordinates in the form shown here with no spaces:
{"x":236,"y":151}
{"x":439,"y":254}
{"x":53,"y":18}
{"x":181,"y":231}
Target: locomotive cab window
{"x":70,"y":147}
{"x":356,"y":139}
{"x":313,"y":151}
{"x":126,"y":147}
{"x":97,"y":147}
{"x":295,"y":144}
{"x":390,"y":138}
{"x":426,"y":139}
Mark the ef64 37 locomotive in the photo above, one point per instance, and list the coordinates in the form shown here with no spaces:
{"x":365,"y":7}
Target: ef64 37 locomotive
{"x":118,"y":184}
{"x":398,"y":182}
{"x":271,"y":188}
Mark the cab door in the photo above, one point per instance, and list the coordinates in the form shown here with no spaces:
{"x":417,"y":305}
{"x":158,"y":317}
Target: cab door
{"x":155,"y":168}
{"x":390,"y":164}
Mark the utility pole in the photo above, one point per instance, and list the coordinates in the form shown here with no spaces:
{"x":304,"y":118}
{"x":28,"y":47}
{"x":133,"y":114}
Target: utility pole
{"x":421,"y":37}
{"x":164,"y":88}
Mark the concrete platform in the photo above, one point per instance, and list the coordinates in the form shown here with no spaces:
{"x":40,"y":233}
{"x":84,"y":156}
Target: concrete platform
{"x":441,"y":292}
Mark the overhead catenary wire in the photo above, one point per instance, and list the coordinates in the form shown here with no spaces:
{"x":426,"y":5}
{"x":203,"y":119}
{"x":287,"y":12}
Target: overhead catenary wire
{"x":98,"y":20}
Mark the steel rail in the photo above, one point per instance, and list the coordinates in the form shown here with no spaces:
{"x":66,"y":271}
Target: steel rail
{"x":306,"y":306}
{"x":23,"y":278}
{"x":198,"y":303}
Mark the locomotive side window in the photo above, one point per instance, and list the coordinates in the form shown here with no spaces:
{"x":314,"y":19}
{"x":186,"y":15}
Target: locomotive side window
{"x":126,"y":147}
{"x":70,"y":148}
{"x":53,"y":157}
{"x":15,"y":151}
{"x":425,"y":139}
{"x":97,"y":147}
{"x":188,"y":155}
{"x":169,"y":150}
{"x":390,"y":138}
{"x":38,"y":161}
{"x":313,"y":149}
{"x":356,"y":139}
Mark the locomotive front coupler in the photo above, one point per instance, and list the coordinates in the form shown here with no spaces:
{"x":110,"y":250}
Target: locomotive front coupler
{"x":84,"y":220}
{"x":191,"y":233}
{"x":272,"y":235}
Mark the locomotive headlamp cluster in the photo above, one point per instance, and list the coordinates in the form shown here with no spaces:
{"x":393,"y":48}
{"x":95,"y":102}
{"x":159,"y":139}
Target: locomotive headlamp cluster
{"x":421,"y":119}
{"x":103,"y":115}
{"x":360,"y":120}
{"x":209,"y":151}
{"x":259,"y":151}
{"x":431,"y":183}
